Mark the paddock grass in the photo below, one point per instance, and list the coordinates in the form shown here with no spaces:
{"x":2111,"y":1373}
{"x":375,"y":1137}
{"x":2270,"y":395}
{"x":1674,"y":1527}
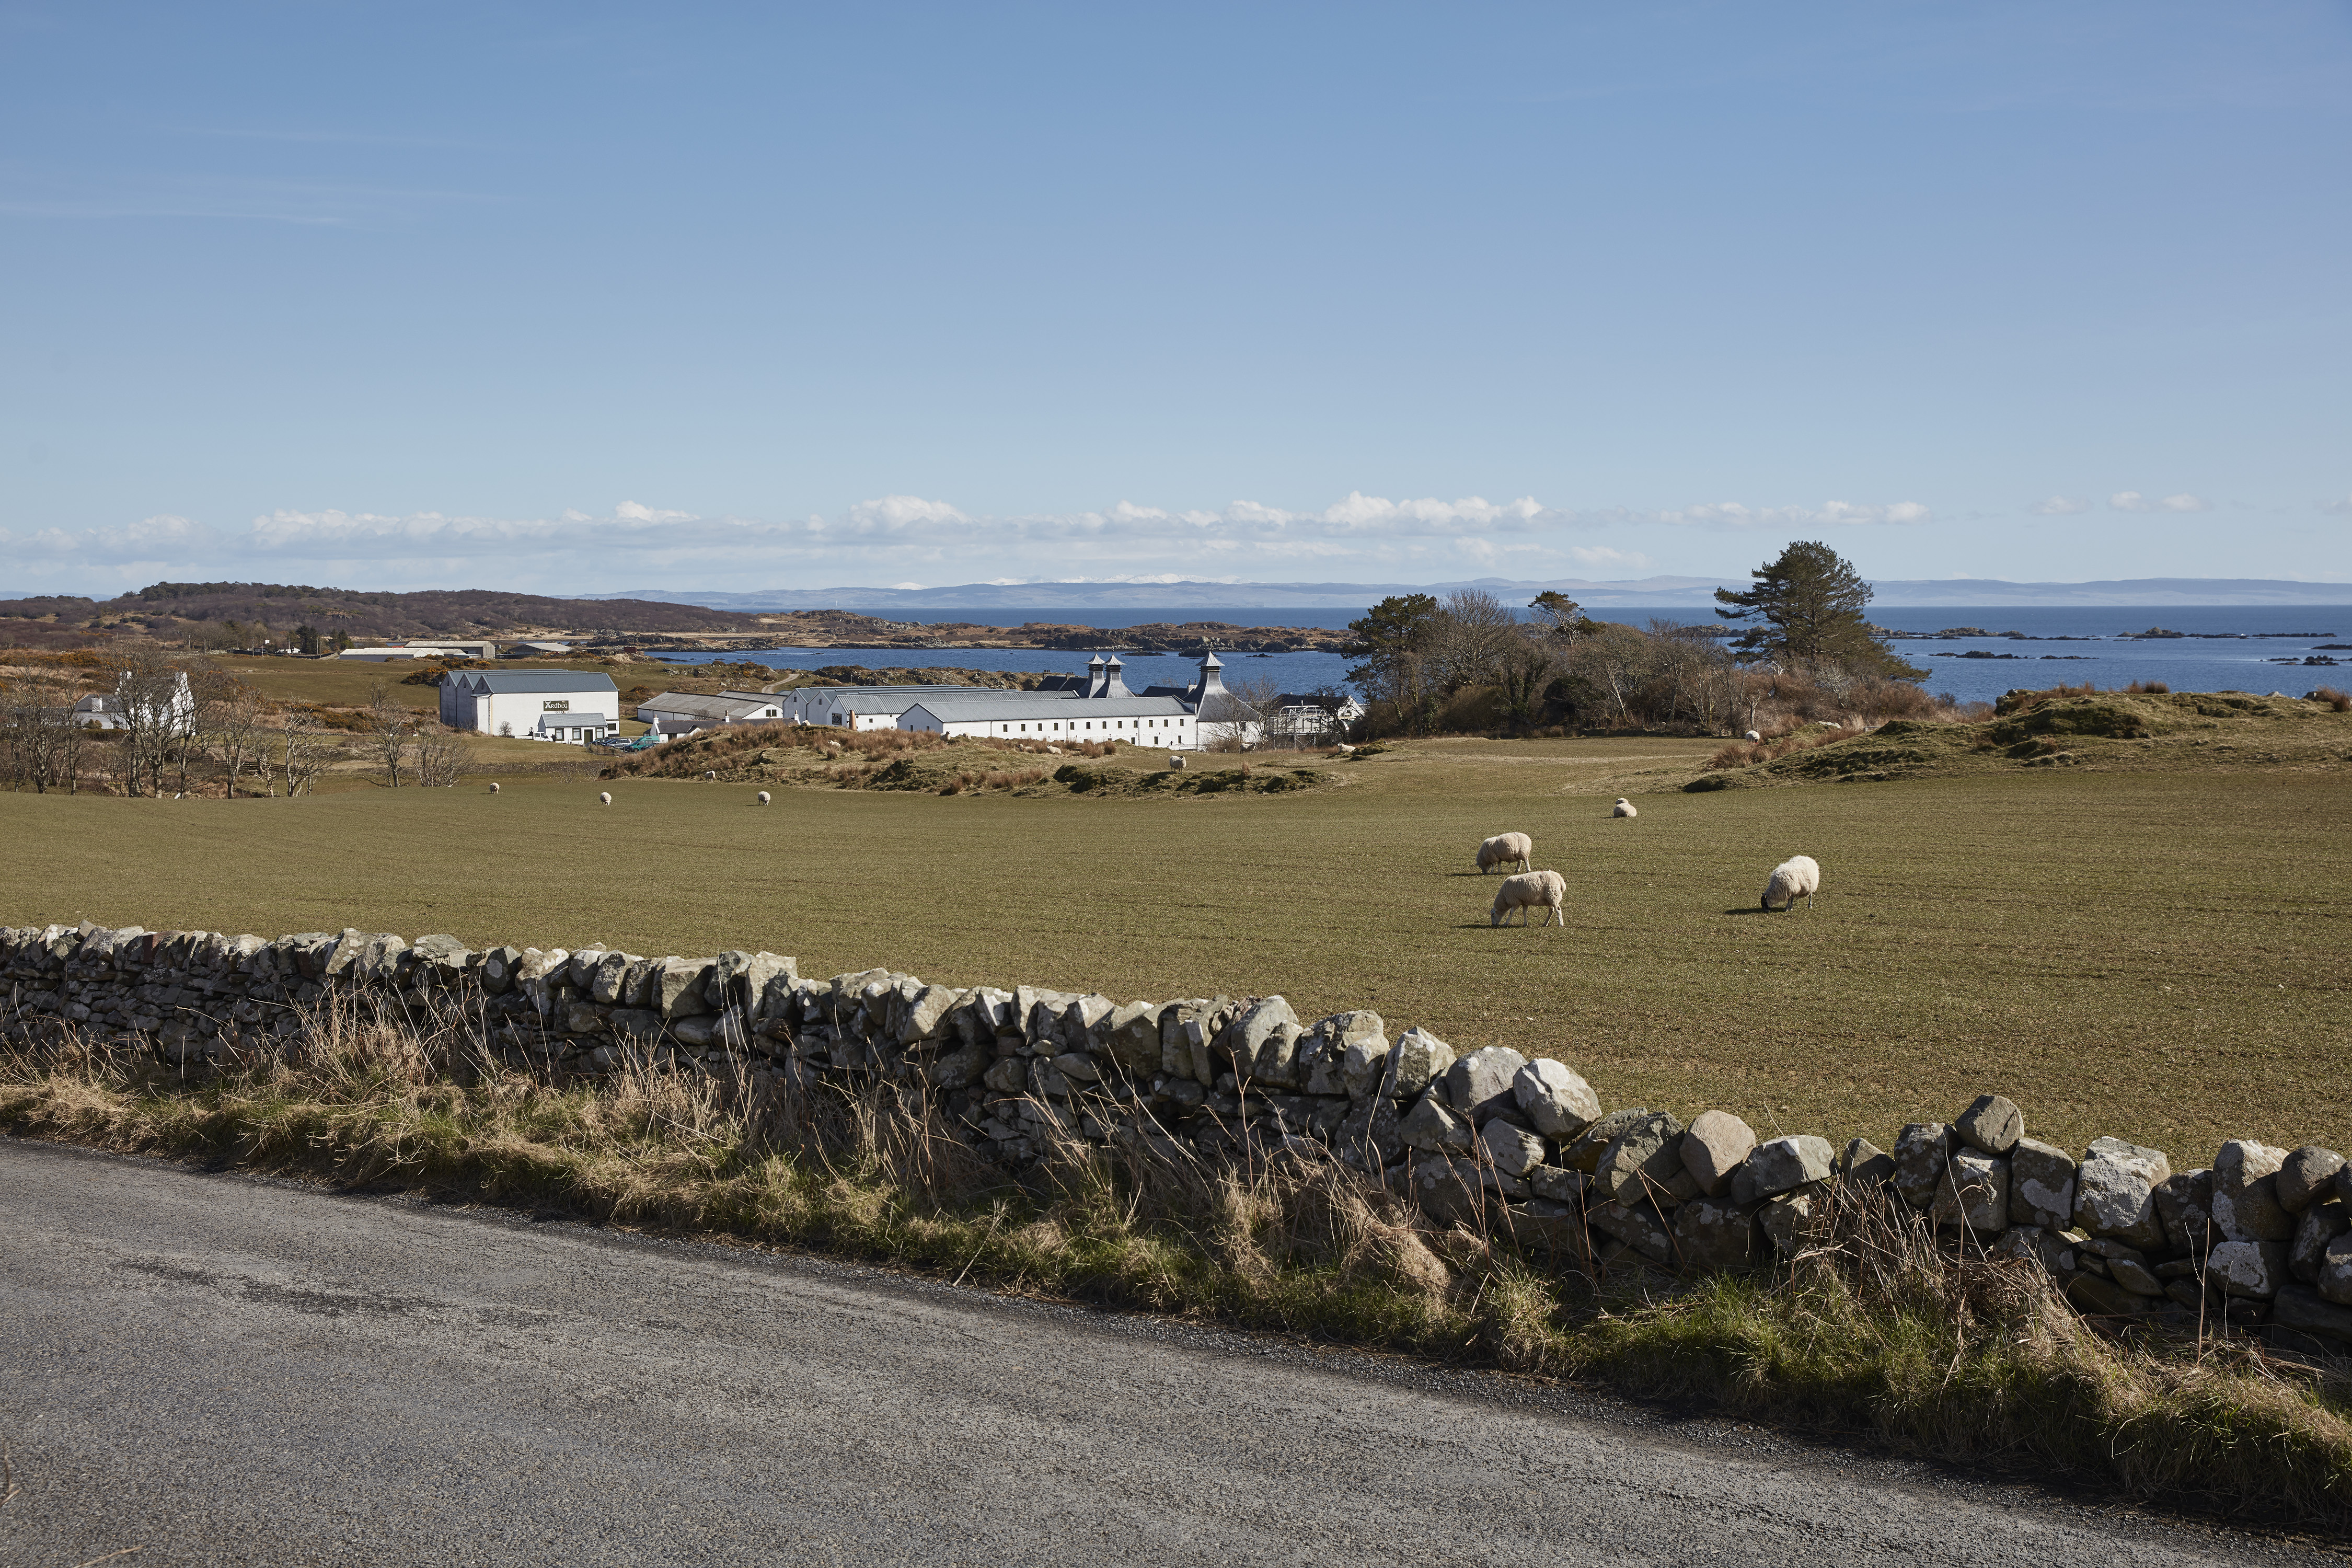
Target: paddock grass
{"x":2156,"y":956}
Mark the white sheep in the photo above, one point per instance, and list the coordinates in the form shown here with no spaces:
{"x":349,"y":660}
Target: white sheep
{"x":708,"y":776}
{"x":1504,"y":848}
{"x":1547,"y":891}
{"x":1798,"y":874}
{"x":604,"y":798}
{"x":1624,"y":808}
{"x":493,"y":787}
{"x":1175,"y":758}
{"x":1752,"y":735}
{"x":762,"y":798}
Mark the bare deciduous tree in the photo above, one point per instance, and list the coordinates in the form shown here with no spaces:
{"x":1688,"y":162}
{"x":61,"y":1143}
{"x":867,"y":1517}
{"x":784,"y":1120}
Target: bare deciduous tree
{"x":389,"y":723}
{"x":439,"y":758}
{"x":303,"y":751}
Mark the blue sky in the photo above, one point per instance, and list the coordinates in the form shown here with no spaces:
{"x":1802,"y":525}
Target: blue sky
{"x":587,"y":298}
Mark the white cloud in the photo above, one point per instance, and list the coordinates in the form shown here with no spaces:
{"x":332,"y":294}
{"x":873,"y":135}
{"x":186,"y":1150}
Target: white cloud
{"x":2132,"y":500}
{"x":2060,"y":505}
{"x":1735,"y":514}
{"x":2338,"y":508}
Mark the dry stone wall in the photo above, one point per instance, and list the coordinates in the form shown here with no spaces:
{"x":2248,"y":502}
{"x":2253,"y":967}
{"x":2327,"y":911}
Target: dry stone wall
{"x":2260,"y":1238}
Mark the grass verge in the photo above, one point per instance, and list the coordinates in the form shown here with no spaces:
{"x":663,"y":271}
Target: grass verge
{"x":1871,"y":1331}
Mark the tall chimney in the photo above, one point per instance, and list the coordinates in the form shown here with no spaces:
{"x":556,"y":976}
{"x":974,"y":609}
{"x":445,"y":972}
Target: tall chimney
{"x":1095,"y":676}
{"x":1113,"y":685}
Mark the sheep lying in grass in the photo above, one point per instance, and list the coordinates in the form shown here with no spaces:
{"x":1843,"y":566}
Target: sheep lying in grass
{"x":1797,"y":875}
{"x":763,"y":797}
{"x":1624,"y":808}
{"x":604,"y":798}
{"x":1751,"y":735}
{"x":1504,"y":848}
{"x":1546,"y":890}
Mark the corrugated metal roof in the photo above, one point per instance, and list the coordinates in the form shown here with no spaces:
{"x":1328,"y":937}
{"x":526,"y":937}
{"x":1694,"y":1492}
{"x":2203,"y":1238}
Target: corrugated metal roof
{"x":957,"y":710}
{"x":496,"y":681}
{"x":706,"y":707}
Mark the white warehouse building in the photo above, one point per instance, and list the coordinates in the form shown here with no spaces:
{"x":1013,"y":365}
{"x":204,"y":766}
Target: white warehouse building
{"x":1097,"y":705}
{"x":574,"y":706}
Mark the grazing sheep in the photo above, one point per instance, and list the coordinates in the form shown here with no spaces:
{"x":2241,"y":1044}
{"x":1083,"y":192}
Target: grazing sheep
{"x":762,"y":798}
{"x":1798,"y":874}
{"x":708,"y":776}
{"x":1752,"y":735}
{"x":1546,"y":890}
{"x":1175,"y":758}
{"x":494,"y":788}
{"x":1624,"y":808}
{"x":604,"y":798}
{"x":1504,"y":848}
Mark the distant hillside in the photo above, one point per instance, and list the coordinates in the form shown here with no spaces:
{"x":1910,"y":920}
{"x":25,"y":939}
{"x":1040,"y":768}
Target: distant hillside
{"x":271,"y":609}
{"x":1658,"y":592}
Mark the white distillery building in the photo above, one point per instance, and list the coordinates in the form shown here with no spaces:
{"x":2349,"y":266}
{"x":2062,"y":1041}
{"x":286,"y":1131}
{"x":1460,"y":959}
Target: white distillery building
{"x":1097,"y":705}
{"x":574,"y":706}
{"x":683,"y":712}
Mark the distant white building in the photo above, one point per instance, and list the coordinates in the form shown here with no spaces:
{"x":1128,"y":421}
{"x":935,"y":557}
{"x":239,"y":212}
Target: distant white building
{"x":683,"y":712}
{"x":1097,"y":705}
{"x":174,"y":706}
{"x":574,"y":706}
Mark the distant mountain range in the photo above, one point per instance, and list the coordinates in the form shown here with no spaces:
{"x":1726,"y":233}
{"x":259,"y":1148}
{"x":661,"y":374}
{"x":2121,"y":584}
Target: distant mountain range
{"x":1663,"y":592}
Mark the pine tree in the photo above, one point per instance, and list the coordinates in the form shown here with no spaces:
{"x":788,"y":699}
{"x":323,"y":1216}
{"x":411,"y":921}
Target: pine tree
{"x":1809,"y":603}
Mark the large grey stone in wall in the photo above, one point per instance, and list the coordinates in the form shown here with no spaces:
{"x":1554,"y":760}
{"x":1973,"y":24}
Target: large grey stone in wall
{"x":1264,"y":1044}
{"x":1551,"y":1095}
{"x":1560,"y":1185}
{"x":1131,"y":1038}
{"x":1452,"y":1192}
{"x":1432,"y":1126}
{"x":926,"y":1017}
{"x":1416,"y":1062}
{"x":1638,"y":1225}
{"x":1514,"y":1151}
{"x":2042,"y":1184}
{"x":2335,"y":1275}
{"x":1794,"y":1220}
{"x":1325,"y":1051}
{"x":2314,"y":1229}
{"x":1716,"y":1145}
{"x":608,"y":980}
{"x":1864,"y":1167}
{"x":1642,"y":1160}
{"x":1920,"y":1152}
{"x":1713,"y":1234}
{"x":1085,"y":1021}
{"x":2307,"y":1175}
{"x":2300,"y":1307}
{"x":960,"y":1068}
{"x":1974,"y":1195}
{"x":676,"y":988}
{"x":1369,"y":1139}
{"x":1785,"y":1164}
{"x":2115,"y":1191}
{"x":2245,"y":1193}
{"x":2249,"y":1268}
{"x":2184,"y":1201}
{"x":1584,"y":1153}
{"x":1991,"y":1125}
{"x":1479,"y":1085}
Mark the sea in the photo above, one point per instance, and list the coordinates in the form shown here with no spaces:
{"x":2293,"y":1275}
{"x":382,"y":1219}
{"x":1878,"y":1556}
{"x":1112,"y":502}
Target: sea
{"x":1972,"y":655}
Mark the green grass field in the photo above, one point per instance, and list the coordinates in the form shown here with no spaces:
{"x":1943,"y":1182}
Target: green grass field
{"x":2156,"y":956}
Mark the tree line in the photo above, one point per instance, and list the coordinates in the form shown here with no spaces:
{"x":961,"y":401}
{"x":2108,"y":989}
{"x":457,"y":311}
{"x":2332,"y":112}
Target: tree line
{"x":1795,"y":642}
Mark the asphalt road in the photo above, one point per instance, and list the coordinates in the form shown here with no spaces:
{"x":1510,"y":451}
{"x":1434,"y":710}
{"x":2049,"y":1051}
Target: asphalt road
{"x":219,"y":1369}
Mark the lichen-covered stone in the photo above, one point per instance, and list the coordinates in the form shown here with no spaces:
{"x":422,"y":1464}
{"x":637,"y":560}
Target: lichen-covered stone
{"x":1416,"y":1062}
{"x":1712,"y":1234}
{"x":2315,"y":1227}
{"x":2249,"y":1268}
{"x":1785,"y":1164}
{"x":1514,"y":1151}
{"x":2245,"y":1193}
{"x":2041,"y":1184}
{"x":2115,"y":1191}
{"x":2307,"y":1175}
{"x":1479,"y":1086}
{"x":1975,"y":1193}
{"x":1584,"y":1152}
{"x":1920,"y":1152}
{"x":1642,"y":1160}
{"x":1433,"y":1127}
